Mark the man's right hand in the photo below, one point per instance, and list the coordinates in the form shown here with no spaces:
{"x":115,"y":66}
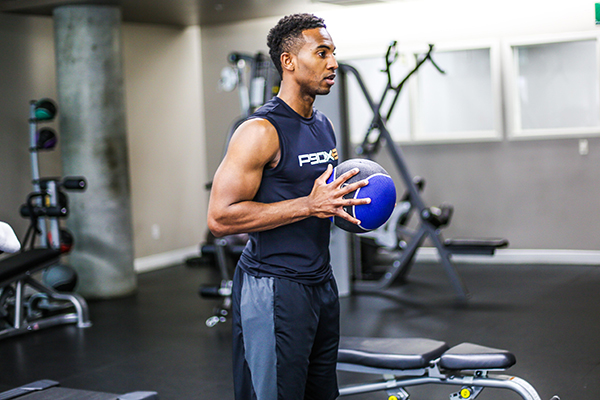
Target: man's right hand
{"x":327,"y":200}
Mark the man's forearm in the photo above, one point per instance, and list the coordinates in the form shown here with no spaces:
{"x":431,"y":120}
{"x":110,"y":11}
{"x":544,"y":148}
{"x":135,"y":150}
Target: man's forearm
{"x":250,"y":216}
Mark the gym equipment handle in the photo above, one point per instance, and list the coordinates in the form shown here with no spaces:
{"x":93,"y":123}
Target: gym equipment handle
{"x":74,"y":183}
{"x":69,"y":182}
{"x":37,"y":211}
{"x":438,"y":217}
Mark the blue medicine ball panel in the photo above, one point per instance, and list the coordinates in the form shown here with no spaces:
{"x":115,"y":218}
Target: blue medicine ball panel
{"x":381,"y":190}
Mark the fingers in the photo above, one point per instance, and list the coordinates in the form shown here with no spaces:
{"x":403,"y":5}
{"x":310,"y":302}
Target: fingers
{"x":339,"y":182}
{"x":348,"y":203}
{"x":327,"y":200}
{"x":349,"y":218}
{"x":325,"y":175}
{"x":343,"y":203}
{"x":356,"y":202}
{"x":349,"y":188}
{"x":345,"y":176}
{"x":344,"y":190}
{"x":341,"y":212}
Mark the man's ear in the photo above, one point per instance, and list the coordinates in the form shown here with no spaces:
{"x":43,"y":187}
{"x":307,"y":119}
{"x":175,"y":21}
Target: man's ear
{"x":287,"y":61}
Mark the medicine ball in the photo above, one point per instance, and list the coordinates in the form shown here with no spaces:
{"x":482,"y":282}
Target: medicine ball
{"x":46,"y":139}
{"x":45,"y":110}
{"x":60,"y":277}
{"x":381,"y":190}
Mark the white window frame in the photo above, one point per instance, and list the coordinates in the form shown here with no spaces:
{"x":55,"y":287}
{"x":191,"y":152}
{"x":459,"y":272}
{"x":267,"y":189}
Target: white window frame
{"x":511,"y":89}
{"x":494,"y":134}
{"x":416,"y":135}
{"x":376,"y":96}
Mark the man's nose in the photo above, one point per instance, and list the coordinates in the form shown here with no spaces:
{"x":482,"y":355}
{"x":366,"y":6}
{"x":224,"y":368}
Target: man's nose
{"x":333,"y":64}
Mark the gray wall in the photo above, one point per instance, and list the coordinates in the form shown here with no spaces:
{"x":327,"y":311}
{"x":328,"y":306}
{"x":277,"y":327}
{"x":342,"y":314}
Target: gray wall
{"x":222,"y":108}
{"x":28,"y":72}
{"x":165,"y":127}
{"x":540,"y":194}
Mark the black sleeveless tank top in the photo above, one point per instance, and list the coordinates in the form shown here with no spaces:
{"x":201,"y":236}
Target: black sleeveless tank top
{"x":297,"y":251}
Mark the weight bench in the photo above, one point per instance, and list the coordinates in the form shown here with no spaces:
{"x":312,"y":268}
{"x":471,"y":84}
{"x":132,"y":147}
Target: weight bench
{"x":29,"y":305}
{"x":409,"y":362}
{"x":49,"y":390}
{"x":226,"y":252}
{"x":483,"y":247}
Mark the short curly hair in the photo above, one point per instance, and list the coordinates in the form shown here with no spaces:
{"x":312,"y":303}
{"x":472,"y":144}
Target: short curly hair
{"x":286,"y":36}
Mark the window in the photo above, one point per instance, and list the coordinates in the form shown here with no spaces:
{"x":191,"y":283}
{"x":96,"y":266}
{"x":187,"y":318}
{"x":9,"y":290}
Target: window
{"x":464,"y":102}
{"x":553,"y":87}
{"x":372,"y":72}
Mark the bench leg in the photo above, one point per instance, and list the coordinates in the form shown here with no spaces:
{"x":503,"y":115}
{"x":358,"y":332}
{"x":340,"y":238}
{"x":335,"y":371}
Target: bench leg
{"x":81,"y":308}
{"x":517,"y":385}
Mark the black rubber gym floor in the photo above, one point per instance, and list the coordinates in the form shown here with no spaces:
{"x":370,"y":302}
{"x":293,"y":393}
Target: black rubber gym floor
{"x":549,"y":316}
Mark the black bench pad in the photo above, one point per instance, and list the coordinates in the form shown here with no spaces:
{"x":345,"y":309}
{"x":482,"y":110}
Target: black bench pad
{"x":468,"y":356}
{"x":29,"y":260}
{"x":475,"y":246}
{"x":399,"y":354}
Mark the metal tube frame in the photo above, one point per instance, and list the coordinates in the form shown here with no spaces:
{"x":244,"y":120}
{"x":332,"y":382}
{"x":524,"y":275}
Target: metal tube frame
{"x":21,"y":324}
{"x":35,"y":170}
{"x":394,"y":379}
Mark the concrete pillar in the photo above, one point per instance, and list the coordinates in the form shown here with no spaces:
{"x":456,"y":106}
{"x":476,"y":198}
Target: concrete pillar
{"x":94,"y":144}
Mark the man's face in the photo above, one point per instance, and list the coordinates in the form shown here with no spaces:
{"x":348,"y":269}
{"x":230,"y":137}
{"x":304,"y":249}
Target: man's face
{"x":316,"y":63}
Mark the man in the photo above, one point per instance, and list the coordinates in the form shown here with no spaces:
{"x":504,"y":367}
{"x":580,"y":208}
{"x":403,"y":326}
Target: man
{"x":272,"y":184}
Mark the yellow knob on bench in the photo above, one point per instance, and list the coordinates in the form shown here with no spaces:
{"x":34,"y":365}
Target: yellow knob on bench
{"x":465,"y":392}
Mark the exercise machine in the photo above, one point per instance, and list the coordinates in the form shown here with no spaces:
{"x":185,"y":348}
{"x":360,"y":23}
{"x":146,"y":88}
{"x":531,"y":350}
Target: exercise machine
{"x":255,"y":77}
{"x":51,"y":390}
{"x":407,"y":362}
{"x":431,"y":220}
{"x":28,"y":301}
{"x":384,"y":245}
{"x":257,"y":81}
{"x":28,"y":304}
{"x":226,"y":250}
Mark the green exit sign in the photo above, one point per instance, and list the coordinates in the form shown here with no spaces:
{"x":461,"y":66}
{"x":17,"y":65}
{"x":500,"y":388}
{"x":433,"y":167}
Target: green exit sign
{"x":597,"y":13}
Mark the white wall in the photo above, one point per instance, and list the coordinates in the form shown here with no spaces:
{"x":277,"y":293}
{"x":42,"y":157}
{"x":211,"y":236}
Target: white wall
{"x":369,"y":29}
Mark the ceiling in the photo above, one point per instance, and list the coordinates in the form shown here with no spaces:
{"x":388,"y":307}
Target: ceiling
{"x":177,"y":12}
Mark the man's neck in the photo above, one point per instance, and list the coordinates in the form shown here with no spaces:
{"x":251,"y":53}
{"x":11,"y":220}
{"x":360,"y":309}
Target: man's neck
{"x":299,"y":102}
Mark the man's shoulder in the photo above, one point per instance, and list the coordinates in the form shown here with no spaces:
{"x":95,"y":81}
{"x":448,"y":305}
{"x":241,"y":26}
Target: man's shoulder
{"x":257,"y":125}
{"x":269,"y":107}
